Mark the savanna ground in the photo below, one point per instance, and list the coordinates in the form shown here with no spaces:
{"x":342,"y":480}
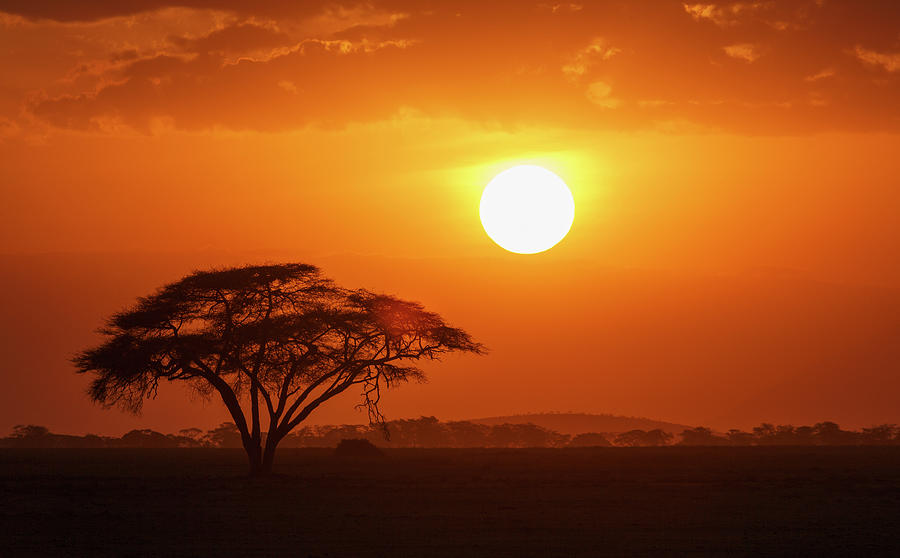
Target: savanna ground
{"x":753,"y":501}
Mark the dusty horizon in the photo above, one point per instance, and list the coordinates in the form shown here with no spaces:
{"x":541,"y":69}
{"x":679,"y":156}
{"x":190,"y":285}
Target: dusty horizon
{"x":807,"y":388}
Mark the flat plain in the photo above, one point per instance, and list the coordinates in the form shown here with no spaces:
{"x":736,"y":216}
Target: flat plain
{"x":673,"y":501}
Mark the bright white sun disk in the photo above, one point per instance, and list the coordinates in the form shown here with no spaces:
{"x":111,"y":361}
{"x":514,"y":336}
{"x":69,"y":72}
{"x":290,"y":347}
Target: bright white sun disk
{"x":527,"y":209}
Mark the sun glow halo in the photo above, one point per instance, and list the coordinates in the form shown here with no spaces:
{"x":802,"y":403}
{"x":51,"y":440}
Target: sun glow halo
{"x":527,"y":209}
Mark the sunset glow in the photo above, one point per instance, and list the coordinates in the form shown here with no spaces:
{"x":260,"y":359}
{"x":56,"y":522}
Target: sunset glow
{"x":732,"y":257}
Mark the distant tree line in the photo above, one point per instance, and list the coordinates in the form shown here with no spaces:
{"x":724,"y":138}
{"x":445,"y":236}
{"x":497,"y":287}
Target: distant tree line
{"x":430,"y":432}
{"x":821,"y":434}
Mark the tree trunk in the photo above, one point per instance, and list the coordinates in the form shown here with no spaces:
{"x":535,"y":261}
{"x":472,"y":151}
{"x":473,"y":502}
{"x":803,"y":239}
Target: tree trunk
{"x":254,"y":455}
{"x":268,"y":459}
{"x":268,"y":456}
{"x":261,"y":460}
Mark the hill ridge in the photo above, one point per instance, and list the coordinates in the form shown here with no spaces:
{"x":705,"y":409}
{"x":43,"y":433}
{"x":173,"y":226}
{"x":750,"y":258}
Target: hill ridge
{"x":577,"y":423}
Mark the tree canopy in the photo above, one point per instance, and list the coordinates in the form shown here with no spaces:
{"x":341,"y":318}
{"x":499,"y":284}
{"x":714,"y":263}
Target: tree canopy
{"x":274,"y":339}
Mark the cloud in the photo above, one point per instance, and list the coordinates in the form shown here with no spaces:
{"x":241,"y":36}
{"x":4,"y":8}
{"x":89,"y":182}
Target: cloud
{"x":887,"y":61}
{"x":568,"y":7}
{"x":581,"y":62}
{"x":822,"y":74}
{"x":779,"y":16}
{"x":742,"y":51}
{"x":599,"y":93}
{"x":289,"y":86}
{"x":243,"y":37}
{"x":653,"y":103}
{"x":126,"y":55}
{"x":488,"y":62}
{"x":704,"y":11}
{"x":203,"y":91}
{"x":723,"y":15}
{"x":94,"y":10}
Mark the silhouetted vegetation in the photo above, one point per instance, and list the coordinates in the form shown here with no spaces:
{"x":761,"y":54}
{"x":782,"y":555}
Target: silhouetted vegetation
{"x":273,"y":339}
{"x":577,"y":423}
{"x":429,"y":432}
{"x":643,"y":439}
{"x":31,"y":436}
{"x":589,"y":440}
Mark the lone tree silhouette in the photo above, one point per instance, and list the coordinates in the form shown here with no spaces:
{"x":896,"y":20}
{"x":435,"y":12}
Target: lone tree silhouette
{"x":280,"y":337}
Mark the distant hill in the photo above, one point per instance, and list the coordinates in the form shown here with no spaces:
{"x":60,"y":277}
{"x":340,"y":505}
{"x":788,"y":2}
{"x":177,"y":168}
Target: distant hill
{"x":578,"y":423}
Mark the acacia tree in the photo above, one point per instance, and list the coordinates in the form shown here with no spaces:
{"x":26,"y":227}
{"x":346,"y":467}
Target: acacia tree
{"x":278,"y":340}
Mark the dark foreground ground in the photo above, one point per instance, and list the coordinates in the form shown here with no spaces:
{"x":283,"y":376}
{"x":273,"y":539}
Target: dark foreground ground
{"x":468,"y":503}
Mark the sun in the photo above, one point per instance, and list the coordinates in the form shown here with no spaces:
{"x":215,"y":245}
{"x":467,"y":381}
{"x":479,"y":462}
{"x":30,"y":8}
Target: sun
{"x":527,"y":209}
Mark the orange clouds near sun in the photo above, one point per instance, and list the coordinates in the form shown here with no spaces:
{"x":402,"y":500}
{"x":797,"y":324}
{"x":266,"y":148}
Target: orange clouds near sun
{"x":272,"y":66}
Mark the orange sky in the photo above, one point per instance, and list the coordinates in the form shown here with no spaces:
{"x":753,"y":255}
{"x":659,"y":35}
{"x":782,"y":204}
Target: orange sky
{"x":734,"y":166}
